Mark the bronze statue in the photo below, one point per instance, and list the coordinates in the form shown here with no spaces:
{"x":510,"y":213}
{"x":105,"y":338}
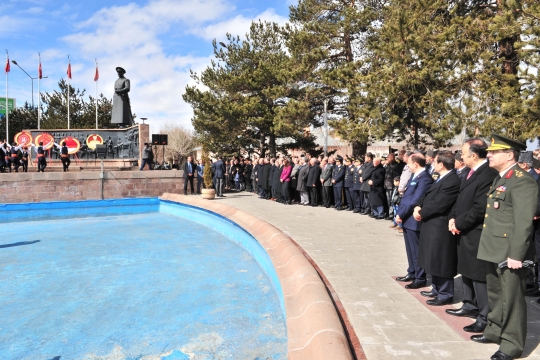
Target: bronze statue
{"x":121,"y":111}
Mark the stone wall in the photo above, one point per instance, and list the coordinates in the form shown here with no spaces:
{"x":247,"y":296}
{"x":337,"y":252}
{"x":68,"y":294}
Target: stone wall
{"x":58,"y":186}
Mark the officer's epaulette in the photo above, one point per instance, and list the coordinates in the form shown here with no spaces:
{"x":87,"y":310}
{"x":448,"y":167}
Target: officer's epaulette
{"x":509,"y":174}
{"x":519,"y":174}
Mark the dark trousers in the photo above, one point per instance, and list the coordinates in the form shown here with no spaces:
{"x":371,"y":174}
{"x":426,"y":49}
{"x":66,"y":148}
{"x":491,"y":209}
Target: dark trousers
{"x":262,"y":192}
{"x":8,"y":163}
{"x":337,"y":196}
{"x":475,"y":297}
{"x":285,"y":191}
{"x":358,"y":200}
{"x":412,"y":241}
{"x":188,"y":179}
{"x":326,"y":195}
{"x":389,"y":202}
{"x":42,"y":163}
{"x":443,"y":287}
{"x":16,"y":163}
{"x":65,"y":163}
{"x":24,"y":164}
{"x":537,"y":247}
{"x":200,"y":184}
{"x":314,"y":194}
{"x":507,"y":321}
{"x":365,"y":201}
{"x":349,"y":197}
{"x":220,"y":184}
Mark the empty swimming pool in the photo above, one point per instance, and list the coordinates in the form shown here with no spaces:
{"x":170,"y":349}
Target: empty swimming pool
{"x":134,"y":279}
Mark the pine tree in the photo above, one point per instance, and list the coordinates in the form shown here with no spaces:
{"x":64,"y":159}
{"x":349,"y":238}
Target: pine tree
{"x":248,"y":101}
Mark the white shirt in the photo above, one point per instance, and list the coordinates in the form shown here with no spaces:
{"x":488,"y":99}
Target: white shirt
{"x":478,"y":166}
{"x":418,"y":173}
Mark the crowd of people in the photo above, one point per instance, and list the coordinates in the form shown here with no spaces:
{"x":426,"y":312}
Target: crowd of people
{"x":475,"y":212}
{"x":14,"y":156}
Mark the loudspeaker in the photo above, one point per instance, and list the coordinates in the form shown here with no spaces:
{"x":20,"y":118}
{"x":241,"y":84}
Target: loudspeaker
{"x":101,"y":151}
{"x":155,"y":139}
{"x":163,"y":138}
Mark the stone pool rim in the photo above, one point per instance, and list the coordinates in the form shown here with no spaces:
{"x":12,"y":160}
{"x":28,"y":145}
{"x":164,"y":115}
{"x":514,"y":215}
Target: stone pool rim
{"x":317,"y":325}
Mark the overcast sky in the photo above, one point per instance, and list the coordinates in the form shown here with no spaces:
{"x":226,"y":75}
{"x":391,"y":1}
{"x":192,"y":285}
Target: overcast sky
{"x":157,"y":42}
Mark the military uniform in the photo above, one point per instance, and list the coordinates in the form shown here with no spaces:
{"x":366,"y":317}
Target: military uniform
{"x":507,"y":233}
{"x":348,"y":185}
{"x":338,"y":174}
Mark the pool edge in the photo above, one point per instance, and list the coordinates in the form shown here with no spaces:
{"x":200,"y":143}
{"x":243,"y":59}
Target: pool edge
{"x":317,"y":324}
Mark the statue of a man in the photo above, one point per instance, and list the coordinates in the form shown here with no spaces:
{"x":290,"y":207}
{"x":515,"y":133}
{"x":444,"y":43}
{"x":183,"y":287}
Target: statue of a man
{"x":121,"y":111}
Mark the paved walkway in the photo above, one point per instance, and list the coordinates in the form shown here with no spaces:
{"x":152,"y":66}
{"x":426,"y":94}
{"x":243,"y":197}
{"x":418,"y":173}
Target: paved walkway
{"x":360,"y":256}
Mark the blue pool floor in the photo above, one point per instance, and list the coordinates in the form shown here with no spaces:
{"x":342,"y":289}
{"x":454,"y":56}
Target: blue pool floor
{"x":146,"y":286}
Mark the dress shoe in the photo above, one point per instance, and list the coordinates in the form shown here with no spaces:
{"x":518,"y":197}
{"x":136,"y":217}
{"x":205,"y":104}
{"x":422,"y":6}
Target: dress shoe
{"x":371,"y":215}
{"x":349,"y":209}
{"x":475,"y":328}
{"x":481,"y":339}
{"x":439,"y":302}
{"x":389,"y":218}
{"x":499,"y":355}
{"x":415,"y":285}
{"x":339,"y":209}
{"x":405,"y":278}
{"x":533,"y":292}
{"x":428,"y":293}
{"x":364,"y":213}
{"x":463,"y":312}
{"x":379,"y":217}
{"x":185,"y":193}
{"x":356,"y":211}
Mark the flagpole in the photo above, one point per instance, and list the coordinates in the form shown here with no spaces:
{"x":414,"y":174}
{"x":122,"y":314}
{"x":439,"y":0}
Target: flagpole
{"x":68,"y":90}
{"x":96,"y":97}
{"x":7,"y":98}
{"x":39,"y":94}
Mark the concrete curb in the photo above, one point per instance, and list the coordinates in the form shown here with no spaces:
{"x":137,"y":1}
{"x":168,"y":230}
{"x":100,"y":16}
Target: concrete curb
{"x":314,"y":327}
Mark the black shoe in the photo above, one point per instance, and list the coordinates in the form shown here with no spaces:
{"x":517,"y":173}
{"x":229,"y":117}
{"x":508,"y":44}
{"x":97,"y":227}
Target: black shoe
{"x":406,"y":278}
{"x":356,"y":211}
{"x":431,"y":293}
{"x":481,"y":339}
{"x":389,"y":218}
{"x":533,"y":292}
{"x":185,"y":193}
{"x":538,"y":301}
{"x":327,"y":206}
{"x":463,"y":312}
{"x":439,"y":302}
{"x":371,"y":215}
{"x":364,"y":213}
{"x":415,"y":285}
{"x":475,"y":328}
{"x":349,"y":209}
{"x":339,"y":209}
{"x":499,"y":355}
{"x":379,"y":217}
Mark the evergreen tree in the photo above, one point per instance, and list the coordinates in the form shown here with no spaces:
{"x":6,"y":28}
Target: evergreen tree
{"x":21,"y":118}
{"x":248,"y":101}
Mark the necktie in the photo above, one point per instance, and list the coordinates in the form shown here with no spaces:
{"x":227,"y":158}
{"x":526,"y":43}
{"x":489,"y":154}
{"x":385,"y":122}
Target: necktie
{"x":470,"y":174}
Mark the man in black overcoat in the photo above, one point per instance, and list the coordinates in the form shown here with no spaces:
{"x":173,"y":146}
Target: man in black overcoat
{"x":264,"y":173}
{"x":314,"y":176}
{"x":466,"y":220}
{"x":438,"y":250}
{"x":377,"y":196}
{"x":365,"y":188}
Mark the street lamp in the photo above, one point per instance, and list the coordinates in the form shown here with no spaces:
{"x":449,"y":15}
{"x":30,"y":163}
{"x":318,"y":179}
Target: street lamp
{"x":143,"y":120}
{"x":32,"y":78}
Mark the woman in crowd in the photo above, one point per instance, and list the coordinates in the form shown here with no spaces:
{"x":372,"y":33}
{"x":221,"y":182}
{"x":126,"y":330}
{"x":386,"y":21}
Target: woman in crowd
{"x":285,"y":179}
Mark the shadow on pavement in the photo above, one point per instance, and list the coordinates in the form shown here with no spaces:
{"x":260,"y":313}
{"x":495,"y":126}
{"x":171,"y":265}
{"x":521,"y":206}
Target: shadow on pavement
{"x":20,"y":244}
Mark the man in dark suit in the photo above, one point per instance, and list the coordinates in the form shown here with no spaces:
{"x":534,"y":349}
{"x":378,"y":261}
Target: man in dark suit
{"x":466,"y":219}
{"x":377,"y":195}
{"x":190,"y":169}
{"x":365,"y":188}
{"x":313,"y":179}
{"x":338,"y":175}
{"x":416,"y":188}
{"x":357,"y":176}
{"x":218,"y":168}
{"x":462,"y":170}
{"x":348,"y":182}
{"x":437,"y":253}
{"x":263,"y":175}
{"x":326,"y":181}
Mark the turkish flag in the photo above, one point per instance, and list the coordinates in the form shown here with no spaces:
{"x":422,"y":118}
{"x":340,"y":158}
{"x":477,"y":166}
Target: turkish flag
{"x":96,"y":77}
{"x":69,"y":70}
{"x":8,"y":67}
{"x":40,"y":73}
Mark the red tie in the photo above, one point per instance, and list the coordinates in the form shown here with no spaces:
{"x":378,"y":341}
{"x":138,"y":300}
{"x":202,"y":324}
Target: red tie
{"x":470,"y":174}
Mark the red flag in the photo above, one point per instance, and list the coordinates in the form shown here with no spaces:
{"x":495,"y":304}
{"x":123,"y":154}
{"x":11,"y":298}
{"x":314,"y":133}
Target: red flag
{"x":8,"y":67}
{"x":69,"y":70}
{"x":40,"y":73}
{"x":96,"y":77}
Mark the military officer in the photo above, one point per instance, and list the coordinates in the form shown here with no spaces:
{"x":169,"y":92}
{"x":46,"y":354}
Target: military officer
{"x":506,"y":242}
{"x":357,"y":175}
{"x":338,"y":174}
